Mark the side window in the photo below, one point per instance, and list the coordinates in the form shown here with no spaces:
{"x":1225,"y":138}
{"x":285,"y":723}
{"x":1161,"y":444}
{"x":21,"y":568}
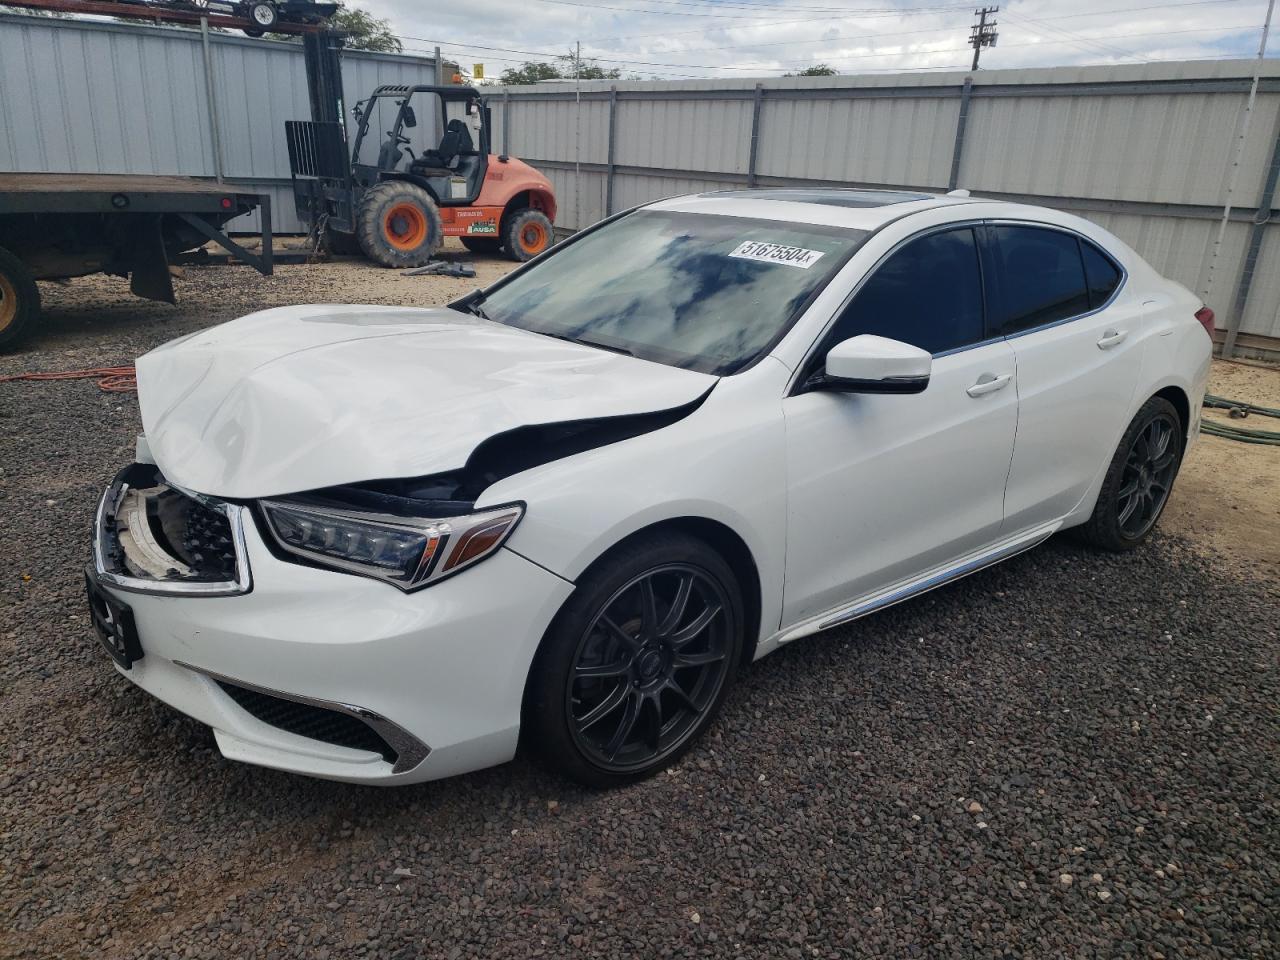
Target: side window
{"x":1040,"y":277}
{"x":1101,"y":272}
{"x":928,"y":294}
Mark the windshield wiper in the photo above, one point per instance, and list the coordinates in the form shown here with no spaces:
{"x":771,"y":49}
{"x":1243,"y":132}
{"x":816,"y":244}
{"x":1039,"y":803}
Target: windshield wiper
{"x":586,"y":343}
{"x":471,"y":303}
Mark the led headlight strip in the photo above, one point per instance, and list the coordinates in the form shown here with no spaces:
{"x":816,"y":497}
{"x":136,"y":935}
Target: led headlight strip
{"x":407,"y":552}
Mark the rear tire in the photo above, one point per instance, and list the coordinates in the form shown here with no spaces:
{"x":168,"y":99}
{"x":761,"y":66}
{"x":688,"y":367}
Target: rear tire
{"x":1138,"y":481}
{"x":19,"y":300}
{"x":621,"y":687}
{"x":486,"y":246}
{"x":525,"y":234}
{"x":399,"y":224}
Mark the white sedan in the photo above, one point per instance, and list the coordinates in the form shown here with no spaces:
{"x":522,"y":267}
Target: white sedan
{"x":385,"y":545}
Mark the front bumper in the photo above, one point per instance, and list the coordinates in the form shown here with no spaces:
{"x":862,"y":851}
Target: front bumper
{"x":283,"y":670}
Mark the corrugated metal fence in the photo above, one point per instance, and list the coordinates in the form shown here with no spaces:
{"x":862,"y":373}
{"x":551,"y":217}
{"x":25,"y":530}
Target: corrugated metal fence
{"x":1146,"y":151}
{"x":91,"y":97}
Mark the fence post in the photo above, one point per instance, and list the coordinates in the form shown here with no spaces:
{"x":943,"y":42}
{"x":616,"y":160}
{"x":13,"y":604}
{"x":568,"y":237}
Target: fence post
{"x":958,"y":151}
{"x":608,"y":183}
{"x":755,"y":135}
{"x":211,"y":89}
{"x":506,"y":122}
{"x":1256,"y":234}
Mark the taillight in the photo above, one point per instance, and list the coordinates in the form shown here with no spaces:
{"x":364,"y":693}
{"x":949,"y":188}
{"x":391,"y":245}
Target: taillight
{"x":1206,"y":318}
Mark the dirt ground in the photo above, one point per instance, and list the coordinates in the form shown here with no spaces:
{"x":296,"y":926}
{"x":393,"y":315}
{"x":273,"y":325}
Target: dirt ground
{"x":1227,"y":496}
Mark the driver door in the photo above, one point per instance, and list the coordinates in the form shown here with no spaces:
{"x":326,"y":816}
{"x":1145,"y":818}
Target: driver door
{"x":883,"y":488}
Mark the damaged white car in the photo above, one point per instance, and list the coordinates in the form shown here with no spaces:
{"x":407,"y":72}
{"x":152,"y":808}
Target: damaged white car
{"x":385,"y":545}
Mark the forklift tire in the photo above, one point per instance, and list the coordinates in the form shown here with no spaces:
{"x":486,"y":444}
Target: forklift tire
{"x":488,"y":246}
{"x":526,"y":234}
{"x":341,"y":244}
{"x":399,"y":224}
{"x":19,"y":299}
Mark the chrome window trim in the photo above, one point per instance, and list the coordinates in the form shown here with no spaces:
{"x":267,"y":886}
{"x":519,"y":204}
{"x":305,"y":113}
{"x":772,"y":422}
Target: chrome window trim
{"x":794,"y":384}
{"x":242,"y":584}
{"x":410,"y":751}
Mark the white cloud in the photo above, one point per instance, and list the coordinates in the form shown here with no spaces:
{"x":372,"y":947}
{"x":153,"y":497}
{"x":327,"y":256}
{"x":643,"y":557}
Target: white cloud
{"x":741,"y":38}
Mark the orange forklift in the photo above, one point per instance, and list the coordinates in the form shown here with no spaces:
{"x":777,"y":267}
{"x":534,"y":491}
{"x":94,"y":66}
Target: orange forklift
{"x":395,"y":199}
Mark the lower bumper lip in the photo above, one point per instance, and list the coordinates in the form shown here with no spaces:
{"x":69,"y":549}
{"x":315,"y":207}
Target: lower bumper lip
{"x":409,"y":750}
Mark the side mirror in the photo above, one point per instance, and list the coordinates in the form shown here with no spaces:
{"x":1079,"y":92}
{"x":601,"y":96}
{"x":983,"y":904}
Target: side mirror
{"x":871,"y":364}
{"x":410,"y":120}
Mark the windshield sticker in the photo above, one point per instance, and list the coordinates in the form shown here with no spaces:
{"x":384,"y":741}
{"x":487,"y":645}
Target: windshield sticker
{"x":777,"y":253}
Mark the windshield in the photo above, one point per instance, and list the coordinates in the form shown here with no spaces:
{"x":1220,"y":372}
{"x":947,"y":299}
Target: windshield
{"x":704,"y":292}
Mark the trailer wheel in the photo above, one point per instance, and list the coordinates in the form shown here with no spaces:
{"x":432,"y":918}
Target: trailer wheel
{"x":488,"y":246}
{"x":526,"y":234}
{"x":263,"y":15}
{"x":19,"y":299}
{"x":399,"y":224}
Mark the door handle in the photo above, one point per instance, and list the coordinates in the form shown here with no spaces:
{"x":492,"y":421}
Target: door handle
{"x":1111,"y":338}
{"x":989,"y":383}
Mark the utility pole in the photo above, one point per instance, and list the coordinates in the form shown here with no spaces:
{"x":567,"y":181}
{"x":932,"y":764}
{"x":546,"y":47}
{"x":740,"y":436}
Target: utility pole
{"x":983,"y":33}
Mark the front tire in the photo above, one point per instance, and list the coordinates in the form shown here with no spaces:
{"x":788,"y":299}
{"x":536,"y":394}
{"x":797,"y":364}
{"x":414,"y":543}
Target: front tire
{"x":399,"y":224}
{"x":637,"y":663}
{"x":19,"y":299}
{"x":525,"y":234}
{"x":1138,"y":481}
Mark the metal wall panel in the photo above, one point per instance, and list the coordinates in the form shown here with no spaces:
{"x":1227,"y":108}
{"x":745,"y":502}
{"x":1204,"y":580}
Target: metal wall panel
{"x":713,"y":135}
{"x":1174,"y":148}
{"x":104,"y":97}
{"x":95,"y":98}
{"x":905,"y":142}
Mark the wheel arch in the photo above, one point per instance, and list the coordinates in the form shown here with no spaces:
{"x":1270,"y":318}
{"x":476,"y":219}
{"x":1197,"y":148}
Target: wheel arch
{"x":729,"y":544}
{"x":1181,"y":403}
{"x":530,"y":196}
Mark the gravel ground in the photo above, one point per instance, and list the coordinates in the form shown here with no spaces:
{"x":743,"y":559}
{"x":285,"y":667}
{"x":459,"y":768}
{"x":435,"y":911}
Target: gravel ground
{"x":1068,"y":755}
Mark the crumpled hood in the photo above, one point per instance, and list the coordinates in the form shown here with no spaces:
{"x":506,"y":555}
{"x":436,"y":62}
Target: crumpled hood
{"x":298,"y":398}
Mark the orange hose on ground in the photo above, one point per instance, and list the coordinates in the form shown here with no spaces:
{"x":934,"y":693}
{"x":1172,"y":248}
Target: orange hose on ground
{"x":110,"y":379}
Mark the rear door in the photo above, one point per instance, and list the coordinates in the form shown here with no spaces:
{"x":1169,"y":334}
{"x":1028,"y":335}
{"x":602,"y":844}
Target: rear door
{"x":1077,"y":339}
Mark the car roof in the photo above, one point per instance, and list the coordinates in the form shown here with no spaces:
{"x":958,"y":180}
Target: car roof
{"x":831,"y":206}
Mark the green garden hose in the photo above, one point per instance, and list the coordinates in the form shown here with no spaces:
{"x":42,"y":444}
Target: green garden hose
{"x":1239,"y":409}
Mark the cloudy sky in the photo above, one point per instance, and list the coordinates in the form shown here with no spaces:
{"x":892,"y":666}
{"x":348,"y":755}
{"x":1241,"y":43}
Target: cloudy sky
{"x":742,"y":38}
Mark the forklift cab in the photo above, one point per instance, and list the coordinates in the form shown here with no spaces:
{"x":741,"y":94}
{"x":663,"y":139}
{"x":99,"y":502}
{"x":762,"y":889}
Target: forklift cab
{"x":437,"y":137}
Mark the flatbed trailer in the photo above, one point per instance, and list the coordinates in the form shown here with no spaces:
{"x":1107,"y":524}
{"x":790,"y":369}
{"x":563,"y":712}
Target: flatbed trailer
{"x":59,"y":225}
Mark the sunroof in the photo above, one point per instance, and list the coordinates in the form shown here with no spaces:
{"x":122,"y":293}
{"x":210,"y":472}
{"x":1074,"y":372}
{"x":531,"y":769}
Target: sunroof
{"x":833,"y":197}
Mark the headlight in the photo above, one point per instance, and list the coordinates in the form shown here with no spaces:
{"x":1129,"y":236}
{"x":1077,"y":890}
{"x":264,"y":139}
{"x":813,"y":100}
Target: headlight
{"x":408,"y":552}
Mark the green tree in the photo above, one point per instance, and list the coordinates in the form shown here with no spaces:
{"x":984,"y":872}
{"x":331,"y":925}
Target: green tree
{"x":367,"y":32}
{"x":562,"y":69}
{"x":817,"y":70}
{"x":529,"y":72}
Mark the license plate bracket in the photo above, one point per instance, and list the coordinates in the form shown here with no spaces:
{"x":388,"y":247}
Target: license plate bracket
{"x":113,"y":623}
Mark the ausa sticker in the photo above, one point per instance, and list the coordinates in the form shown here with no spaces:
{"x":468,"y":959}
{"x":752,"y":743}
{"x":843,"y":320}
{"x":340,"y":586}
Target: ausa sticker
{"x":489,"y":227}
{"x":777,"y":253}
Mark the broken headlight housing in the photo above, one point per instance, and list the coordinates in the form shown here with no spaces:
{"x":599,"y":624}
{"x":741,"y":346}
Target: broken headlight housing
{"x":404,"y":551}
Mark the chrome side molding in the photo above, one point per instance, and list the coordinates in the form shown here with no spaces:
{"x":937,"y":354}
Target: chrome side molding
{"x":871,"y":603}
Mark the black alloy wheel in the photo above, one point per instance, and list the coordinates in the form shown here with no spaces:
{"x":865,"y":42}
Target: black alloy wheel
{"x":1139,"y":479}
{"x":637,"y":662}
{"x":1148,"y":476}
{"x":648,"y":667}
